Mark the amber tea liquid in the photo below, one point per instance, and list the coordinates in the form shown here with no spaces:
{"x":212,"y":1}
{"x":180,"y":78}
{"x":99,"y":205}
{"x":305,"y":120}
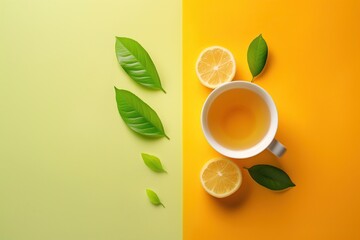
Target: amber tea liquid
{"x":238,"y":119}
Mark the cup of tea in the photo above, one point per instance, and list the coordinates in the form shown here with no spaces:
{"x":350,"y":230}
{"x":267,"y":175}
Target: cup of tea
{"x":239,"y":120}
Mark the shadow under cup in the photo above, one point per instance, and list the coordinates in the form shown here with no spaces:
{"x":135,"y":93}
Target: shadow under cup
{"x":239,"y":119}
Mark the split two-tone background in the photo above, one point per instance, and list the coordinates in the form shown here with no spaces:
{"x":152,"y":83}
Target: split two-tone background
{"x":70,"y":168}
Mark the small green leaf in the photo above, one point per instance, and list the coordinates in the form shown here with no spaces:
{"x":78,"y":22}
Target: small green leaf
{"x":153,"y":197}
{"x":153,"y":162}
{"x":137,"y":63}
{"x":257,"y":55}
{"x":270,"y":177}
{"x":138,"y":116}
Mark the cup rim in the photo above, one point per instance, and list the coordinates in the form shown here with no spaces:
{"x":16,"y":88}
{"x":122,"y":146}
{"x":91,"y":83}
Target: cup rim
{"x":265,"y":141}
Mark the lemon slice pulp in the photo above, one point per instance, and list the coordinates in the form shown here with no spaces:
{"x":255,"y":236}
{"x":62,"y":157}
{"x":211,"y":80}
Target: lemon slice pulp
{"x":215,"y":66}
{"x":220,"y":177}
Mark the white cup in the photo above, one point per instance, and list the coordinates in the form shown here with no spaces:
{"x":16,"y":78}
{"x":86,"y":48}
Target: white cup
{"x":268,"y":141}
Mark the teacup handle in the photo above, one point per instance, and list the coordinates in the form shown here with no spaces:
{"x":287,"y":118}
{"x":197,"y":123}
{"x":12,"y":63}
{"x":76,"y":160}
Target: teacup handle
{"x":276,"y":148}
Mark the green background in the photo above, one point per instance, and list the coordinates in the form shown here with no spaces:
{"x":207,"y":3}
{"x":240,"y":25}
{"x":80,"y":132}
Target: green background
{"x":69,"y":167}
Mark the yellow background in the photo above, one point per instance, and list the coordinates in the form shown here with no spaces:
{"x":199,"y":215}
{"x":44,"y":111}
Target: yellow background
{"x":70,"y":169}
{"x":312,"y":73}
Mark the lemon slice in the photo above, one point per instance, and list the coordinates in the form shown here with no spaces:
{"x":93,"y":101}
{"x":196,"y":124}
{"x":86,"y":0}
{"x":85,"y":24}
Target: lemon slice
{"x":220,"y":177}
{"x":215,"y":66}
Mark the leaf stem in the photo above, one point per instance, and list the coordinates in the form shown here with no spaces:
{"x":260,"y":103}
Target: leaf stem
{"x":167,"y":136}
{"x":252,"y":80}
{"x":246,"y":168}
{"x":163,"y":90}
{"x":162,"y":205}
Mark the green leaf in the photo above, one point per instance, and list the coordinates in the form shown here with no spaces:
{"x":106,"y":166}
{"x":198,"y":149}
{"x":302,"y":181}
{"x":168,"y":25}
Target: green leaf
{"x":137,"y":63}
{"x":153,"y":197}
{"x":138,"y":116}
{"x":270,"y":177}
{"x":153,"y":162}
{"x":257,"y":55}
